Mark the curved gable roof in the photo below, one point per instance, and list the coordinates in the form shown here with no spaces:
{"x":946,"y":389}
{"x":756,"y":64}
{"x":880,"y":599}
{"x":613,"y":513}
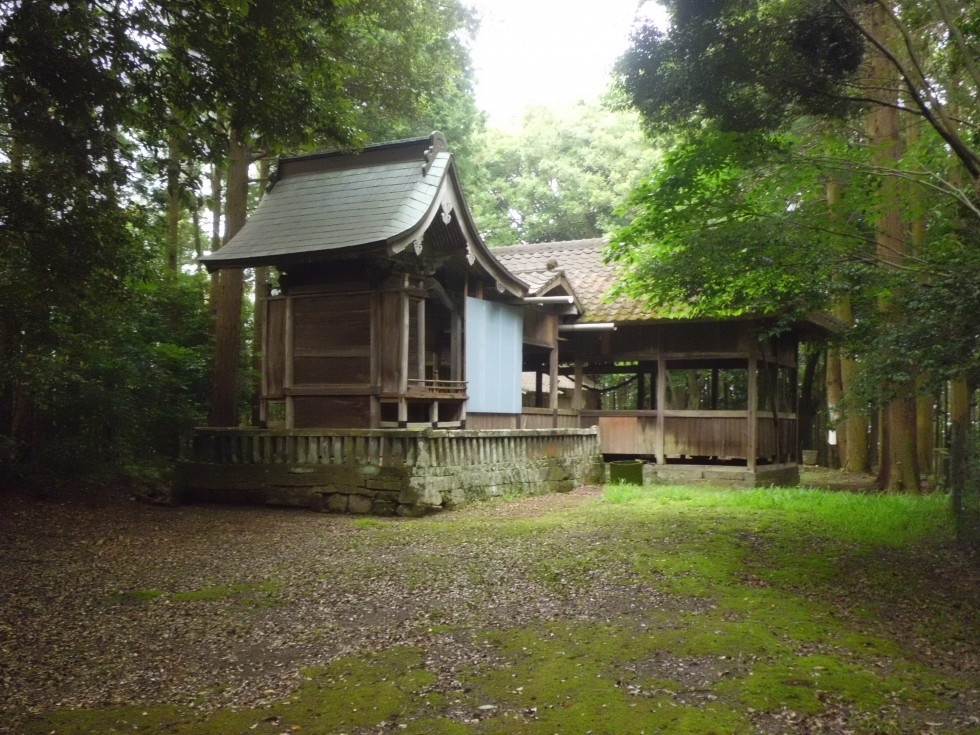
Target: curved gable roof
{"x":385,"y":196}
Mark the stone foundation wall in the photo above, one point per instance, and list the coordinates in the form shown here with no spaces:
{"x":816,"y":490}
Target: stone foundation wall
{"x":778,"y":475}
{"x":403,"y":471}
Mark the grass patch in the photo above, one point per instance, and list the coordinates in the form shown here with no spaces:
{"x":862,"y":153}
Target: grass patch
{"x":892,"y":520}
{"x":366,"y":522}
{"x":259,"y":594}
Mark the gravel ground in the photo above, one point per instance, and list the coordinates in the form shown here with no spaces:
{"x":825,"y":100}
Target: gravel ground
{"x":105,"y":602}
{"x":80,"y":627}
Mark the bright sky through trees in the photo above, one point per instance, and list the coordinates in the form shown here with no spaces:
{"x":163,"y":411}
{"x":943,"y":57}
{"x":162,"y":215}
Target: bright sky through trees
{"x":548,"y":52}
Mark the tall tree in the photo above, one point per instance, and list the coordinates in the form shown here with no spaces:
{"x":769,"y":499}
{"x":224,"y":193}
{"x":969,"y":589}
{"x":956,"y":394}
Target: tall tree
{"x":750,"y":67}
{"x":560,"y":176}
{"x":274,"y":76}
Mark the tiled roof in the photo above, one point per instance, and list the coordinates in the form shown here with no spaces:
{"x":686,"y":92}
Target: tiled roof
{"x":582,"y":263}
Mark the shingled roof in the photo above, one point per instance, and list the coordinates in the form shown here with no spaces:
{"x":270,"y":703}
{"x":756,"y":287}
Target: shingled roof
{"x":583,"y":266}
{"x":383,"y":197}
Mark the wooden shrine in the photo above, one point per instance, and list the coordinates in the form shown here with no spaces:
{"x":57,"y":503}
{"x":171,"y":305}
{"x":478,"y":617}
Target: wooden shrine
{"x":390,"y":315}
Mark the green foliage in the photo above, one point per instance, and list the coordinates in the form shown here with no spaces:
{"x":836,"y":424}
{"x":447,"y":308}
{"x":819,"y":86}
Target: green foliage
{"x":736,"y":221}
{"x":742,"y":64}
{"x":104,"y":354}
{"x":730,"y":224}
{"x":559,"y":177}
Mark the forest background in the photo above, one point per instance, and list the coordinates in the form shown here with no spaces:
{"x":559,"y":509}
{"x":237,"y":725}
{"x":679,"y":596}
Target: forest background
{"x":783,"y":157}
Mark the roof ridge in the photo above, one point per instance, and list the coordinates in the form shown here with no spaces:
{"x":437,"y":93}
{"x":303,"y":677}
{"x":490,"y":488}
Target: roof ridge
{"x":551,"y":245}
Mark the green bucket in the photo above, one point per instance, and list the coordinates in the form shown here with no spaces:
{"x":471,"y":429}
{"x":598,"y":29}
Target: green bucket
{"x":626,"y":472}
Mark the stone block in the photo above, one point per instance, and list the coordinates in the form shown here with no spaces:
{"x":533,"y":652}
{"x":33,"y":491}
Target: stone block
{"x":384,"y":507}
{"x":411,"y":511}
{"x":454,"y":497}
{"x":420,"y":493}
{"x":349,"y":490}
{"x":383,"y":484}
{"x":336,"y":503}
{"x":369,"y":470}
{"x":359,"y":504}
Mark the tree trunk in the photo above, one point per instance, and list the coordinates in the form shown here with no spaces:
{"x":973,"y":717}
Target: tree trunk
{"x":261,"y":288}
{"x":959,"y":441}
{"x":959,"y":390}
{"x":899,"y":466}
{"x":851,"y":424}
{"x":924,"y":402}
{"x":855,"y":422}
{"x":216,"y":182}
{"x":835,"y":394}
{"x":228,"y":312}
{"x":173,"y":204}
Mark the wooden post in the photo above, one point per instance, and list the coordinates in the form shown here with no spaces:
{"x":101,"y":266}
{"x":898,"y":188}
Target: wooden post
{"x":553,"y":369}
{"x":577,"y":402}
{"x":287,"y":377}
{"x":752,"y":435}
{"x":403,"y":344}
{"x":375,"y":409}
{"x":455,"y":347}
{"x":641,"y":387}
{"x":262,"y":337}
{"x":420,"y":338}
{"x":661,"y":406}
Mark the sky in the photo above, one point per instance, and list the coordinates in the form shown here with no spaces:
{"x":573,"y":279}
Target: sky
{"x":548,"y":52}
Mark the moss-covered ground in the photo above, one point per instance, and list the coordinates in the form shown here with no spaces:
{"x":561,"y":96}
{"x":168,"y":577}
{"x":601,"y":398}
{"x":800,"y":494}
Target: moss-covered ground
{"x":672,"y":610}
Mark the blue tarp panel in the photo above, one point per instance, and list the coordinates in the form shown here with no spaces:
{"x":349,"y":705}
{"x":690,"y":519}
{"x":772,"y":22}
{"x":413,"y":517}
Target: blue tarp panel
{"x":493,"y":357}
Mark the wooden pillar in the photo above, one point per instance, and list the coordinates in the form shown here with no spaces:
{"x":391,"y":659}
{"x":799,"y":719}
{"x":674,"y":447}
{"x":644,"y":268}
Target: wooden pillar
{"x":553,"y":369}
{"x":403,"y":344}
{"x":641,"y":388}
{"x":752,"y":429}
{"x":262,"y":337}
{"x":661,"y":440}
{"x":456,"y":347}
{"x":714,"y":389}
{"x":538,"y":387}
{"x":287,"y":378}
{"x":375,"y":341}
{"x":420,"y":338}
{"x":577,"y":402}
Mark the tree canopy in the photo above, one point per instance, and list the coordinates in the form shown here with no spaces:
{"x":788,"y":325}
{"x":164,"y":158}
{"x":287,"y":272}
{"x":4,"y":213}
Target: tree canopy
{"x":826,"y":159}
{"x":560,"y":176}
{"x":109,"y":115}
